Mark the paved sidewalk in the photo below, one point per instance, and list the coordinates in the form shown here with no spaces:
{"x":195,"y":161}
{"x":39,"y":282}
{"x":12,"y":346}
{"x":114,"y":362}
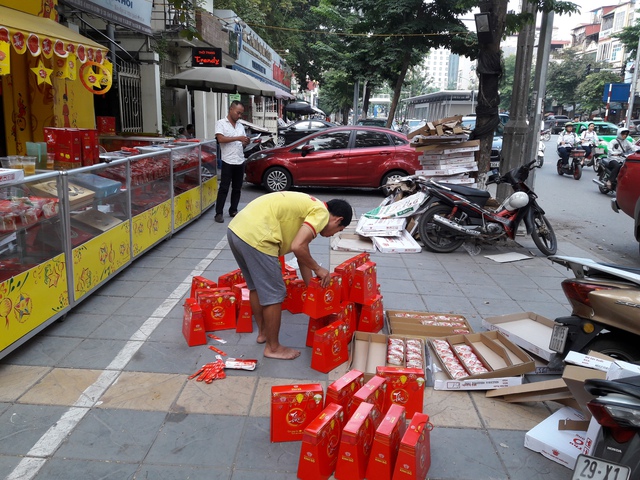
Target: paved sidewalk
{"x":104,"y":393}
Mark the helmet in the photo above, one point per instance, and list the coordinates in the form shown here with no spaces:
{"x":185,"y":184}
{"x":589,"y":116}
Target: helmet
{"x":622,"y":131}
{"x":568,"y":124}
{"x":515,"y":201}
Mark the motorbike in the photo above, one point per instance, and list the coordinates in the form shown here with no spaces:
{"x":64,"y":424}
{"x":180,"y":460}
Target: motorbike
{"x":605,"y":301}
{"x":574,"y":165}
{"x":455,"y":215}
{"x":603,"y":170}
{"x":545,"y":135}
{"x":615,"y":452}
{"x":260,"y":138}
{"x":597,"y":152}
{"x":540,"y":158}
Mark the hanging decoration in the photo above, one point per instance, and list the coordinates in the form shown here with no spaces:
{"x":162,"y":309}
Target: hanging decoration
{"x":43,"y":73}
{"x":96,"y":77}
{"x":5,"y":57}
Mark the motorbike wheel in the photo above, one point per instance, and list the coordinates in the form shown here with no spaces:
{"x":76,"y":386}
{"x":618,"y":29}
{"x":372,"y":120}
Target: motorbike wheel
{"x":559,"y":167}
{"x":546,"y":136}
{"x":277,"y":179}
{"x":577,"y":172}
{"x":280,"y":141}
{"x":618,"y":346}
{"x":390,"y":176}
{"x":543,"y":235}
{"x":435,"y":237}
{"x":540,"y":161}
{"x":267,"y":144}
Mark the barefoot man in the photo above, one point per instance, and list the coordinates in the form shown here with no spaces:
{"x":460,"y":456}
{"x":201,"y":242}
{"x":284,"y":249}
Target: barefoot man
{"x":271,"y":226}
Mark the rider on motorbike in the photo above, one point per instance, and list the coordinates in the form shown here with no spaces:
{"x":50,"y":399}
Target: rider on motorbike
{"x":618,"y":150}
{"x":589,"y":139}
{"x":566,"y":141}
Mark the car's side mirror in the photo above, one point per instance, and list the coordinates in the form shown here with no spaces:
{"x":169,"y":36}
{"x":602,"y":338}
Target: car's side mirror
{"x":306,"y":149}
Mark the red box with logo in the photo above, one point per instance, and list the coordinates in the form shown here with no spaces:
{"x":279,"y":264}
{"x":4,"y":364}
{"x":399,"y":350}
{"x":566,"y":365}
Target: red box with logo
{"x":371,"y":316}
{"x":201,"y":282}
{"x":106,"y":125}
{"x":320,"y":444}
{"x":89,"y":143}
{"x":218,"y":308}
{"x":66,"y":145}
{"x":365,"y":284}
{"x":322,"y":301}
{"x":386,"y":443}
{"x":414,"y":455}
{"x":346,"y":270}
{"x":342,"y":390}
{"x":330,"y":347}
{"x":374,"y":392}
{"x":405,"y":387}
{"x":230,"y":279}
{"x":361,"y":258}
{"x":316,"y":324}
{"x":193,"y":324}
{"x":296,"y":294}
{"x":293,"y":407}
{"x":355,"y":444}
{"x":244,"y":320}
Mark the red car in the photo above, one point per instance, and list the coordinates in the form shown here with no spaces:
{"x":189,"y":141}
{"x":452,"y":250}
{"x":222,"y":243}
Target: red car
{"x":349,"y":156}
{"x":628,"y":191}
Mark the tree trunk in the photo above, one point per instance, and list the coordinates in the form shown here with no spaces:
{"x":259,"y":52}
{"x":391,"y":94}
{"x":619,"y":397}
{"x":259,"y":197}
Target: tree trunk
{"x":398,"y":88}
{"x":366,"y":96}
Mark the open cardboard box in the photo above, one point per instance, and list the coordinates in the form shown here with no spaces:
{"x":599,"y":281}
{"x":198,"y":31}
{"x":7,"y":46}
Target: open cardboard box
{"x":369,"y":350}
{"x":499,"y":355}
{"x":527,"y":330}
{"x":406,"y":322}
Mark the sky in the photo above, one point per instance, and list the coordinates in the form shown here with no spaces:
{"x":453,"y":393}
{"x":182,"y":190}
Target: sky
{"x":565,"y":23}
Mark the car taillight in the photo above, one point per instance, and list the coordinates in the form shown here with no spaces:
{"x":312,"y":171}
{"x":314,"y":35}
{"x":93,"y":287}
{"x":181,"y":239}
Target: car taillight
{"x":622,"y":421}
{"x":579,"y":291}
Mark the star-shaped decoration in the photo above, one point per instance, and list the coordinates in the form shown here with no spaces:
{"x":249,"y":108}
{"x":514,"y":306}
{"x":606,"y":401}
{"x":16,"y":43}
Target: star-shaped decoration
{"x":43,"y":73}
{"x":92,"y":78}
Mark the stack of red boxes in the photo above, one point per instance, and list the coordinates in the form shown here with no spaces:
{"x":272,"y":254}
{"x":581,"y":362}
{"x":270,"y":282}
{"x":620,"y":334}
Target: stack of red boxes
{"x":72,"y":147}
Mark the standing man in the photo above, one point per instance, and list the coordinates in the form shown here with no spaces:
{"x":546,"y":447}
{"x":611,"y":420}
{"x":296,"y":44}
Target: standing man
{"x":271,"y":226}
{"x":231,"y":137}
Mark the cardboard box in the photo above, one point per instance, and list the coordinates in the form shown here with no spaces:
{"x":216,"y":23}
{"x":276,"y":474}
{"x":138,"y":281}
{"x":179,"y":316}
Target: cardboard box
{"x":404,"y":243}
{"x":405,"y":387}
{"x":106,"y":125}
{"x":293,"y":407}
{"x":402,"y":208}
{"x":371,"y":316}
{"x":320,"y":444}
{"x":231,"y":278}
{"x":322,"y":301}
{"x":330,"y":347}
{"x":346,"y":270}
{"x":365,"y":284}
{"x":78,"y":196}
{"x":355,"y":444}
{"x":385,"y":227}
{"x":351,"y":242}
{"x":555,"y":389}
{"x":201,"y":282}
{"x":414,"y":454}
{"x":561,"y":446}
{"x":316,"y":324}
{"x":11,"y":175}
{"x":501,"y":357}
{"x":244,"y":319}
{"x":373,"y":392}
{"x":193,"y":324}
{"x":296,"y":295}
{"x":592,"y":361}
{"x":342,"y":390}
{"x":527,"y":330}
{"x":574,"y":378}
{"x":218,"y":308}
{"x":426,"y":324}
{"x":386,"y":443}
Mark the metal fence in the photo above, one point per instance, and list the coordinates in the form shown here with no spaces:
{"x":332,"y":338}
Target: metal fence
{"x":130,"y":97}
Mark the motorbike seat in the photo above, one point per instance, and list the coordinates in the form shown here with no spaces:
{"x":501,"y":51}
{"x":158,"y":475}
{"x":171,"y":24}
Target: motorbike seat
{"x":625,"y":386}
{"x":475,"y":195}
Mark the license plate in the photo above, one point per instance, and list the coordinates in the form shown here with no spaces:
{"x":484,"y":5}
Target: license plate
{"x":495,"y":165}
{"x":558,"y":338}
{"x":590,"y":468}
{"x":599,"y":151}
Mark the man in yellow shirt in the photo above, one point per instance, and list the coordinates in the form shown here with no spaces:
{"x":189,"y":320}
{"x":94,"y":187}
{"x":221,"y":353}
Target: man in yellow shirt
{"x":271,"y":226}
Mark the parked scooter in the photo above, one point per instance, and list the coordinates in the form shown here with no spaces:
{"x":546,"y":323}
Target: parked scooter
{"x":260,"y":138}
{"x":545,"y":135}
{"x":540,"y":158}
{"x":453,"y":215}
{"x":574,"y":165}
{"x":615,"y":452}
{"x":603,"y":169}
{"x":605,"y":301}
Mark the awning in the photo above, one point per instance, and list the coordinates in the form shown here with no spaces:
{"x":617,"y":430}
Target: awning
{"x":280,"y":93}
{"x":42,"y":35}
{"x":217,"y":79}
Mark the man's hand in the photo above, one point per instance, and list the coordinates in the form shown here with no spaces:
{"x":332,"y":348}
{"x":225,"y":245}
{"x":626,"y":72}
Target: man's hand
{"x":245,"y":140}
{"x":324,"y":275}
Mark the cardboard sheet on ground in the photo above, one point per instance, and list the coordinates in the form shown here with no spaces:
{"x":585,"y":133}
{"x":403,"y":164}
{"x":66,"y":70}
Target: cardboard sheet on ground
{"x":402,"y":208}
{"x":352,"y":243}
{"x":507,"y":257}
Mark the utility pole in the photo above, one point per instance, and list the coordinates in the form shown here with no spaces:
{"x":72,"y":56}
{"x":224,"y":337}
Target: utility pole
{"x":632,"y":93}
{"x":516,"y":131}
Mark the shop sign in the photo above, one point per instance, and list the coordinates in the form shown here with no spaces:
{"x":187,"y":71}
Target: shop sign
{"x":206,"y":57}
{"x":134,"y":14}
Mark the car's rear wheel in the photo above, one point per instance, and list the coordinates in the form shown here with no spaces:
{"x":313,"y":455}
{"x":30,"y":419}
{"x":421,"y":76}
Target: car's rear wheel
{"x":277,"y":179}
{"x":280,"y":141}
{"x":390,"y":176}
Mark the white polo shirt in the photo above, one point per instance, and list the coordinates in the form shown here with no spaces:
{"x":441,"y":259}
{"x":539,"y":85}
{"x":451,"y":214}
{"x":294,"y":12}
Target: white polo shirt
{"x":232,"y":152}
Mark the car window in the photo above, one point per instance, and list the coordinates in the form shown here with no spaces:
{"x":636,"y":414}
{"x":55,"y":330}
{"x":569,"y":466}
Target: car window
{"x":606,"y":130}
{"x":315,"y":125}
{"x":301,"y":126}
{"x":398,"y":140}
{"x":331,"y":141}
{"x":371,"y":139}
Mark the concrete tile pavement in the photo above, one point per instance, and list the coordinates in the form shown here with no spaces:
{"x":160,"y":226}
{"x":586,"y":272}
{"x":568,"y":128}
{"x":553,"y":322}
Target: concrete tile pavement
{"x":105,"y":394}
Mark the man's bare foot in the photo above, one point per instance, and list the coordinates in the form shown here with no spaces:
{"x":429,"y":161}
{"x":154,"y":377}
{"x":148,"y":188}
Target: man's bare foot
{"x":261,"y":339}
{"x":282,"y":353}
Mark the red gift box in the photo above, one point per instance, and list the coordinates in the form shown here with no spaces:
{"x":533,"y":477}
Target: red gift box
{"x":330,"y":347}
{"x":201,"y":282}
{"x":374,"y":392}
{"x":361,"y":259}
{"x":244,"y":321}
{"x":371,"y":316}
{"x":106,"y":125}
{"x":342,"y":390}
{"x":193,"y":324}
{"x":230,"y":279}
{"x":386,"y":443}
{"x":355,"y":444}
{"x":405,"y":387}
{"x":218,"y":308}
{"x":346,"y":270}
{"x":66,"y":145}
{"x":320,"y":444}
{"x":414,"y":455}
{"x":293,"y":407}
{"x":316,"y":324}
{"x":296,"y":294}
{"x":89,"y":143}
{"x":365,"y":283}
{"x":348,"y":314}
{"x":322,"y":301}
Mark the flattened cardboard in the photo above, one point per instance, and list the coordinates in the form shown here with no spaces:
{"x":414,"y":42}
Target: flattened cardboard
{"x":527,"y":330}
{"x":389,"y":227}
{"x":533,"y":392}
{"x":589,"y":361}
{"x":350,"y":242}
{"x":404,"y":243}
{"x":574,"y":378}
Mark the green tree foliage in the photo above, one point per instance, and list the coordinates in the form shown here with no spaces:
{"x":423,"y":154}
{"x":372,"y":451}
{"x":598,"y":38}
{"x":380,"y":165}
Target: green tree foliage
{"x":564,"y":76}
{"x":629,"y":38}
{"x":591,"y":89}
{"x":506,"y":84}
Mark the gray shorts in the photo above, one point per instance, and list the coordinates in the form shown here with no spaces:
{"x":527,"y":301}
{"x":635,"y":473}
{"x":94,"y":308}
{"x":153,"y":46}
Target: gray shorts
{"x":262,"y":272}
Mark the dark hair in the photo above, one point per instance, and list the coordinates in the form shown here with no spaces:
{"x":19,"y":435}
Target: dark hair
{"x":235,"y":103}
{"x":340,"y":208}
{"x":190,"y":126}
{"x":181,"y":130}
